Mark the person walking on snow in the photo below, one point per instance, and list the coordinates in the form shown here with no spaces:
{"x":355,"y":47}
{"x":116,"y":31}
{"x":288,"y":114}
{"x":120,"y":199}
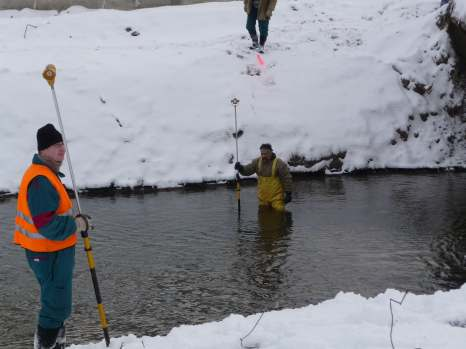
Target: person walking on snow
{"x":46,"y":229}
{"x":274,"y":178}
{"x":261,"y":11}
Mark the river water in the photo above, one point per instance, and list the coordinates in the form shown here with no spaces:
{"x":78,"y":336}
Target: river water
{"x":185,"y":257}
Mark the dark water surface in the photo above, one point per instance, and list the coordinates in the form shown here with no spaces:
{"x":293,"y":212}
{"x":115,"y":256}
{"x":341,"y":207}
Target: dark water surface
{"x":183,"y":257}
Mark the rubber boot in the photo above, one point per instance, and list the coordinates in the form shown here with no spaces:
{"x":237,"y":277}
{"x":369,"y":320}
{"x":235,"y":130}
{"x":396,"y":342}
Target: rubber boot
{"x":255,"y":42}
{"x":61,"y":338}
{"x":45,"y":338}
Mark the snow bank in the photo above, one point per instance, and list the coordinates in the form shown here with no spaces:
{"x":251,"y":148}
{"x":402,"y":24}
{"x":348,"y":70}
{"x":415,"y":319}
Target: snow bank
{"x":348,"y":321}
{"x":366,"y":79}
{"x":459,"y":10}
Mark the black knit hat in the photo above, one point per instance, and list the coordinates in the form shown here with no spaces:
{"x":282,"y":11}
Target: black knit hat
{"x":46,"y":136}
{"x":267,"y":146}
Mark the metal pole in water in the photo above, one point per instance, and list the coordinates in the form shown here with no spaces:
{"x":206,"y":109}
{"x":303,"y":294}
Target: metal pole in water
{"x":235,"y":102}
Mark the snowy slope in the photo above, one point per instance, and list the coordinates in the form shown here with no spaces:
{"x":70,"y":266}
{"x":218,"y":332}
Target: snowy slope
{"x":340,"y":77}
{"x":459,"y":10}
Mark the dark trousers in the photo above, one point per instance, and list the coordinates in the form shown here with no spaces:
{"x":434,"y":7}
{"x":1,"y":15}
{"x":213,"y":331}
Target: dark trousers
{"x":251,"y":26}
{"x":54,"y":272}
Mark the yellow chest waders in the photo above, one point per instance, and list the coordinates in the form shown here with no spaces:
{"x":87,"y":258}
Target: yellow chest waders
{"x":270,"y":189}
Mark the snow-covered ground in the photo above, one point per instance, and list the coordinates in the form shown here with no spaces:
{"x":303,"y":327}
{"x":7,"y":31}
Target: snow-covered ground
{"x":364,"y":78}
{"x":459,"y":10}
{"x":348,"y":321}
{"x":154,"y":109}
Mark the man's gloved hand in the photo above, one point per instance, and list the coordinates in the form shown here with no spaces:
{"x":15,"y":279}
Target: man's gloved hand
{"x":238,"y":166}
{"x":82,"y":223}
{"x":287,"y":197}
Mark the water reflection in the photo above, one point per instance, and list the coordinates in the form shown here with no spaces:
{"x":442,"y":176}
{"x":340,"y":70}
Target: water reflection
{"x":447,"y":264}
{"x":272,"y":246}
{"x":263,"y":253}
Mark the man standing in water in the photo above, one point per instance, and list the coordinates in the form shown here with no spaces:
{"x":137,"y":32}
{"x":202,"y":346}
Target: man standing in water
{"x":261,"y":11}
{"x":274,"y":178}
{"x":47,"y":231}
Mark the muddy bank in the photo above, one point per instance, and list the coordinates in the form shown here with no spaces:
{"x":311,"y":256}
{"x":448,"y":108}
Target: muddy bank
{"x":113,"y":190}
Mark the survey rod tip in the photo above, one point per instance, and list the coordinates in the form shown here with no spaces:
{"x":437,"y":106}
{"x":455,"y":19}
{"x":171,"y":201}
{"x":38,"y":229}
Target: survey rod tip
{"x":49,"y":74}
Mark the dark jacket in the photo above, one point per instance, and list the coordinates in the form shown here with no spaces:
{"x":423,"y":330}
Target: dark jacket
{"x":265,"y":9}
{"x":283,"y":172}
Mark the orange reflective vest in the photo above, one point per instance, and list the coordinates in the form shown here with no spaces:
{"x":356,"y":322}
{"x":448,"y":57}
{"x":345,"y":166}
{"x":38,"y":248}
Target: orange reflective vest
{"x":26,"y":234}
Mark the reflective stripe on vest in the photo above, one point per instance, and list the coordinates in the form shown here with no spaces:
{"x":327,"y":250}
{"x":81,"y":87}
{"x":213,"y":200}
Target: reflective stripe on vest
{"x":23,"y":216}
{"x":26,"y":233}
{"x":32,"y":235}
{"x":29,"y":234}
